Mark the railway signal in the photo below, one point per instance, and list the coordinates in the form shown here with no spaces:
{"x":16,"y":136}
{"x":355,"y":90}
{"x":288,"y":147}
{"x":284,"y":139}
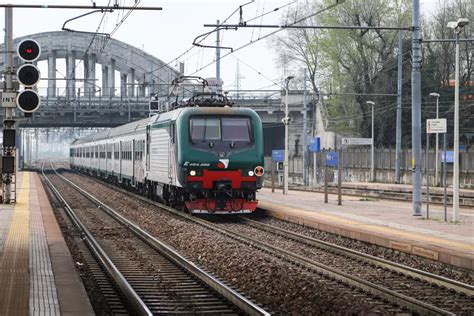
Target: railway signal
{"x":28,"y":75}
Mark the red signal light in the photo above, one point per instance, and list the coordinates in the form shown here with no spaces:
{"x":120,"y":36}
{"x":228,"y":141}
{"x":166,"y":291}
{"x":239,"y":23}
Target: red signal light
{"x":220,"y":165}
{"x":29,"y":50}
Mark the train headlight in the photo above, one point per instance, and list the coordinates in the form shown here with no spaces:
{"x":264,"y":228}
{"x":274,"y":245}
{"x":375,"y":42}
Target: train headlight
{"x":192,"y":173}
{"x":251,"y":173}
{"x":259,"y":171}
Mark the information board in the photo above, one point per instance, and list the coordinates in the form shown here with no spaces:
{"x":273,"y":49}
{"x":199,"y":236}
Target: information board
{"x":332,"y":158}
{"x":436,"y":126}
{"x":449,"y":156}
{"x":8,"y":99}
{"x":315,"y":145}
{"x":278,"y":155}
{"x":356,"y":141}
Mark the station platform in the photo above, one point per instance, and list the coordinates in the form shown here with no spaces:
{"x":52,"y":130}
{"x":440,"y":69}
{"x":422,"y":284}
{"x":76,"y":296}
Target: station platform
{"x":402,"y":192}
{"x":382,"y":222}
{"x":37,"y":273}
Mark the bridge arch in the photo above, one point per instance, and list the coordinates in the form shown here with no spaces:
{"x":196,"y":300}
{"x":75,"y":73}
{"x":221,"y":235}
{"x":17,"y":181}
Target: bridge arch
{"x":138,"y":70}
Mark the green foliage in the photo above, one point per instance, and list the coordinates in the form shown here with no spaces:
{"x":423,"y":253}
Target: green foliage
{"x":364,"y":62}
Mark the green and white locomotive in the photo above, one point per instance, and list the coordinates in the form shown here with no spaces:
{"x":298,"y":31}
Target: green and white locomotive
{"x":205,"y":156}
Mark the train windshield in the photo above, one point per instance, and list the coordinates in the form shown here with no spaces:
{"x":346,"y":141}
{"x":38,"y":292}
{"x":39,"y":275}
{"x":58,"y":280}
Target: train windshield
{"x":224,"y":128}
{"x":236,"y":129}
{"x":205,"y":128}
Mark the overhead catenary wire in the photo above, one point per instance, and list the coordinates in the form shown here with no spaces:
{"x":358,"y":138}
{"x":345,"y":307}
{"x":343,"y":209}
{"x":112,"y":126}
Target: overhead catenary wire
{"x":269,"y":34}
{"x":200,"y":41}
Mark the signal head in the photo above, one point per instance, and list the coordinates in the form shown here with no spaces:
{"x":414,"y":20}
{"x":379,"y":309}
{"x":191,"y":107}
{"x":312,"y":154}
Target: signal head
{"x":28,"y":75}
{"x":29,"y":50}
{"x":28,"y":101}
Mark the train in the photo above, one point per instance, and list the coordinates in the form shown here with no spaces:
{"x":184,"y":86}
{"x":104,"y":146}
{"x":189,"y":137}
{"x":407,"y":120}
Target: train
{"x":203,"y":157}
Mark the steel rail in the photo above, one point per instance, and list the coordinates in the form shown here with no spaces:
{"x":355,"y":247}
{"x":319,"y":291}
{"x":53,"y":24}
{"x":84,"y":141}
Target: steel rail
{"x":396,"y":267}
{"x":366,"y":286}
{"x":231,"y":295}
{"x":132,"y":297}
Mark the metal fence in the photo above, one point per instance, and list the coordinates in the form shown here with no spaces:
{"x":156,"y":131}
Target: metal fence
{"x":356,"y":165}
{"x":384,"y":160}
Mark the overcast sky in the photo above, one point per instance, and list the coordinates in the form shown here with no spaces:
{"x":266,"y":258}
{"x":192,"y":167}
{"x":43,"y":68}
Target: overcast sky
{"x":168,"y":33}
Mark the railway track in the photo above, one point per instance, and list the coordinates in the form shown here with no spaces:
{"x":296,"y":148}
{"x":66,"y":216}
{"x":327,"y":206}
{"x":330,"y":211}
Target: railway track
{"x":151,"y":277}
{"x":415,"y":290}
{"x":425,"y":286}
{"x":449,"y":296}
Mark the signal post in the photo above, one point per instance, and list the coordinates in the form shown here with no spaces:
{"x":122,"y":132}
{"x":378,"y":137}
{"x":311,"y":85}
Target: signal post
{"x":9,"y":106}
{"x":27,"y":101}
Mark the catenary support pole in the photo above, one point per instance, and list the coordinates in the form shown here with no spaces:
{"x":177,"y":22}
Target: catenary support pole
{"x":315,"y":162}
{"x":286,"y":122}
{"x":398,"y":143}
{"x":372,"y":144}
{"x":437,"y":146}
{"x":305,"y":127}
{"x":444,"y":179}
{"x":416,"y":109}
{"x":325,"y":181}
{"x":339,"y":175}
{"x":273,"y":176}
{"x":218,"y":61}
{"x":372,"y":150}
{"x":427,"y":173}
{"x":456,"y":137}
{"x":315,"y":179}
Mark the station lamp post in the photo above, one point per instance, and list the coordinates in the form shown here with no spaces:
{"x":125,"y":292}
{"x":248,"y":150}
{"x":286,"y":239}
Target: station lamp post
{"x":436,"y":95}
{"x":286,"y":121}
{"x":372,"y":150}
{"x":457,"y":26}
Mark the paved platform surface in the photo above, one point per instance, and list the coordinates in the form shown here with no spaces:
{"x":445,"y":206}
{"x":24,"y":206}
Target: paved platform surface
{"x":37,"y":274}
{"x":392,"y":191}
{"x":382,"y":222}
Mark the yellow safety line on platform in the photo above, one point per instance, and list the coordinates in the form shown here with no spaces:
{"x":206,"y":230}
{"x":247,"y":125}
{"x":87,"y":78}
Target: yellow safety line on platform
{"x":14,"y":271}
{"x":313,"y":215}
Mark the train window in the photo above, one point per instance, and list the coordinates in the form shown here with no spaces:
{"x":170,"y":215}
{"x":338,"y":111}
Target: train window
{"x":206,"y":128}
{"x":236,"y":129}
{"x":116,"y":151}
{"x":173,"y":132}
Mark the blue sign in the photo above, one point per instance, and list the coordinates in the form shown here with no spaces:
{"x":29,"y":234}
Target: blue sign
{"x":449,"y":156}
{"x":332,"y":158}
{"x":462,"y":147}
{"x":315,"y":145}
{"x":278,"y":155}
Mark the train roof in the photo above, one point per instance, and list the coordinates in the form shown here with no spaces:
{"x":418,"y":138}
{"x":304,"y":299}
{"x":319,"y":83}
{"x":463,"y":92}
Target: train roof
{"x":140,"y":125}
{"x":127,"y":129}
{"x":117,"y":131}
